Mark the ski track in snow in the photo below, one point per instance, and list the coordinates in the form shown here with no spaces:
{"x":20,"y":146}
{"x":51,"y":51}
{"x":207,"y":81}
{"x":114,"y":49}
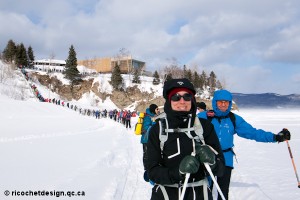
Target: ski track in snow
{"x":130,"y":185}
{"x":42,"y":136}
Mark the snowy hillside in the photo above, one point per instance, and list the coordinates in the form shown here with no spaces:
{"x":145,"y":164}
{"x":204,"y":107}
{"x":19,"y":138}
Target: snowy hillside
{"x":49,"y":148}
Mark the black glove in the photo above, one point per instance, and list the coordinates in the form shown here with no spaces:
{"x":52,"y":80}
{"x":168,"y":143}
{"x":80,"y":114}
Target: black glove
{"x":189,"y":164}
{"x":283,"y":135}
{"x":205,"y":155}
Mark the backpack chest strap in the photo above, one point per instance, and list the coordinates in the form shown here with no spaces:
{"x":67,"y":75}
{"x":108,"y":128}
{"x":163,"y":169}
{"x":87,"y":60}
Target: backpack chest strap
{"x":164,"y":130}
{"x":178,"y":130}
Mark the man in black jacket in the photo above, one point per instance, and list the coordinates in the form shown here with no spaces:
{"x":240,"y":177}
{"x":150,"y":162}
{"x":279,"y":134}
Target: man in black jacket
{"x":182,"y":152}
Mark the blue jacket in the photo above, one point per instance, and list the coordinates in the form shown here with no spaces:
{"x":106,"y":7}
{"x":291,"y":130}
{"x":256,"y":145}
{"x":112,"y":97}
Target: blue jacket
{"x":202,"y":114}
{"x":225,"y":129}
{"x":147,"y":123}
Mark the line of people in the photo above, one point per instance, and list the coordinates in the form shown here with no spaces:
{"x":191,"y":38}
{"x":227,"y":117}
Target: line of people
{"x":32,"y":86}
{"x":122,"y":116}
{"x":37,"y":93}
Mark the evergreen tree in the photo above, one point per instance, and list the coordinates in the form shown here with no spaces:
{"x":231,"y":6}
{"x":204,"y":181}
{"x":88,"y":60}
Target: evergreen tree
{"x":30,"y":56}
{"x":203,"y":80}
{"x":212,"y":81}
{"x":189,"y":74}
{"x":168,"y":77}
{"x":21,"y":56}
{"x":116,"y":78}
{"x":196,"y":80}
{"x":156,"y":79}
{"x":185,"y":72}
{"x":71,"y":71}
{"x":9,"y":53}
{"x":136,"y":76}
{"x":219,"y":85}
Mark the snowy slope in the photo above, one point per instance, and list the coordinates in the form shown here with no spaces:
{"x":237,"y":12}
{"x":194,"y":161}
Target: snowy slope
{"x":47,"y":147}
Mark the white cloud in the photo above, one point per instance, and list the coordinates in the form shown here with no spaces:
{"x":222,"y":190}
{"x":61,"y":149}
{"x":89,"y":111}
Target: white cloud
{"x":296,"y":78}
{"x":286,"y":49}
{"x":207,"y":33}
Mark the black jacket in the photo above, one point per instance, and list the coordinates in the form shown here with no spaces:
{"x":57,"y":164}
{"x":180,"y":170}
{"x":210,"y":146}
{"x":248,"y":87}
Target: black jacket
{"x":164,"y":170}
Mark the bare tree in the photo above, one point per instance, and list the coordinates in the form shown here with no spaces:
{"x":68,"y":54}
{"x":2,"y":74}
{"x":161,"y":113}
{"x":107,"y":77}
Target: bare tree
{"x":6,"y":72}
{"x":52,"y":56}
{"x":123,"y":56}
{"x":173,"y":68}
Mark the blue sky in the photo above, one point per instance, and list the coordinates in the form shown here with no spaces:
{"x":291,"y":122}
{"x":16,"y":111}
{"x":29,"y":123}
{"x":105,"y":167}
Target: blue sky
{"x":252,"y":46}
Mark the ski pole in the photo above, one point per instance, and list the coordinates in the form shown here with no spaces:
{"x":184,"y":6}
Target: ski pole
{"x":214,"y":180}
{"x":187,"y":176}
{"x":291,"y":155}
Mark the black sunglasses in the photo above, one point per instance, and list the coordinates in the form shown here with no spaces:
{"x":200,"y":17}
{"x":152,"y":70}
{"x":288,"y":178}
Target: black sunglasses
{"x":186,"y":97}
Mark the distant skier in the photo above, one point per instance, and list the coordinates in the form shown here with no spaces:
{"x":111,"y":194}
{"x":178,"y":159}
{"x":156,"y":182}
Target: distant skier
{"x":128,"y":119}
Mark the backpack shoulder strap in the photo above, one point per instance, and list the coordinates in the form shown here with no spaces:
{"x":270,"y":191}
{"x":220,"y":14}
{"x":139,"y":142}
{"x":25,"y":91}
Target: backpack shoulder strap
{"x":164,"y":131}
{"x":210,"y":114}
{"x":230,"y":115}
{"x":232,"y":118}
{"x":199,"y":129}
{"x":163,"y":134}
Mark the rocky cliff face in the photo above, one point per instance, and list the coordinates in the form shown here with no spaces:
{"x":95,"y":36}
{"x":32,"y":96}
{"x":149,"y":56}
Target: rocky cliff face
{"x":121,"y":99}
{"x":65,"y":91}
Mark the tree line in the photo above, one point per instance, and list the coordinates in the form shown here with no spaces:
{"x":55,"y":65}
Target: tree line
{"x":20,"y":56}
{"x":201,"y":81}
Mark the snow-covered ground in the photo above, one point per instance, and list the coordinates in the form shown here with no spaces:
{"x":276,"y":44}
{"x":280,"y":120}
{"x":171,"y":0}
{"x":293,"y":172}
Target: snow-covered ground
{"x":45,"y":147}
{"x":50,"y":148}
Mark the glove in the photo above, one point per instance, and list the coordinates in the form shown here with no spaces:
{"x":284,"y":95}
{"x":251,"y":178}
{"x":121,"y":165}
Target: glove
{"x":283,"y":135}
{"x":189,"y":164}
{"x":146,"y":177}
{"x":205,"y":154}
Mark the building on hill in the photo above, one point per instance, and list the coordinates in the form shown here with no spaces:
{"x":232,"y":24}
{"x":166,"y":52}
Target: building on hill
{"x":49,"y":64}
{"x":105,"y":65}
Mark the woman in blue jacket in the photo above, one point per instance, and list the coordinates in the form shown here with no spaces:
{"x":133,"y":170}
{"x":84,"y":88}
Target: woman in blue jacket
{"x":151,"y":112}
{"x":225,"y":129}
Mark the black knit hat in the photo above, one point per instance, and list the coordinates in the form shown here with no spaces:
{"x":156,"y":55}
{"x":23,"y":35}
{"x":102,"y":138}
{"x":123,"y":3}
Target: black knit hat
{"x":201,"y":105}
{"x":177,"y":83}
{"x":179,"y":118}
{"x":152,"y":108}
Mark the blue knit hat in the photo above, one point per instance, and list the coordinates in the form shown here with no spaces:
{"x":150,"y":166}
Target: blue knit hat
{"x":221,"y":95}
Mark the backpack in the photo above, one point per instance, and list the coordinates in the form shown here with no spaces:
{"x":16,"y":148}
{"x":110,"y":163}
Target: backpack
{"x":128,"y":116}
{"x":211,"y":114}
{"x":164,"y":130}
{"x":139,"y":125}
